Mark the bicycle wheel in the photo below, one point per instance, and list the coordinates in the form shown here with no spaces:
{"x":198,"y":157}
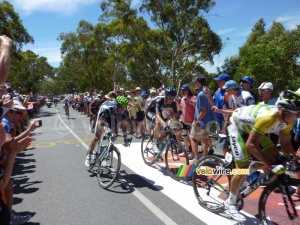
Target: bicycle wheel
{"x":272,"y":209}
{"x":147,"y":150}
{"x":175,"y":156}
{"x":211,"y":190}
{"x":109,"y":167}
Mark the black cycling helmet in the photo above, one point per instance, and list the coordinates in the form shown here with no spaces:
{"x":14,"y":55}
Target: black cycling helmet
{"x":289,"y":100}
{"x":170,"y":91}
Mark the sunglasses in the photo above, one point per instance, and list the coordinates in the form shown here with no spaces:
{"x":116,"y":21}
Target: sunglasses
{"x":263,"y":91}
{"x":297,"y":113}
{"x":182,"y":89}
{"x":171,"y":97}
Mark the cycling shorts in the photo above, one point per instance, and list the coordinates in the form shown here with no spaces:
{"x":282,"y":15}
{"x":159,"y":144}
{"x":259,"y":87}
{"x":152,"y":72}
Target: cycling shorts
{"x":238,"y":140}
{"x":150,"y":116}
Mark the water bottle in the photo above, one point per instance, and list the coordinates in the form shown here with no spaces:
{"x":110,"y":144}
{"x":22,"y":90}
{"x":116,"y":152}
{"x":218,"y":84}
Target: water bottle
{"x":102,"y":148}
{"x":253,"y":177}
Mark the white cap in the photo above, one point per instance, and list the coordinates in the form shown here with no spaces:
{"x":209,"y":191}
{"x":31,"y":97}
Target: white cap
{"x":266,"y":85}
{"x":18,"y":105}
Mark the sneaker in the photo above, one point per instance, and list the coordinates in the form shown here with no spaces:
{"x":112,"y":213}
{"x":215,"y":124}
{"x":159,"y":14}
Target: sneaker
{"x":155,"y":149}
{"x":18,"y":219}
{"x":191,"y":156}
{"x":88,"y":160}
{"x":195,"y":161}
{"x":138,"y":136}
{"x":234,"y":213}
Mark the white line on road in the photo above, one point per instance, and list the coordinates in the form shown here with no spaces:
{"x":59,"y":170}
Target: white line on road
{"x":142,"y":198}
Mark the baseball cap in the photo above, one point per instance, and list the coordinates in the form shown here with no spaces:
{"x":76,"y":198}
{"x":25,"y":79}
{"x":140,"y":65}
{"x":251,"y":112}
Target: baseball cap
{"x":265,"y":86}
{"x":222,"y":76}
{"x":231,"y":84}
{"x":138,"y":89}
{"x":185,"y":86}
{"x":144,"y":93}
{"x":200,"y":79}
{"x":248,"y":80}
{"x":18,"y":105}
{"x":153,"y":91}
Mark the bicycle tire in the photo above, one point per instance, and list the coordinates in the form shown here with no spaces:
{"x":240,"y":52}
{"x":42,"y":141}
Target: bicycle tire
{"x":109,"y":167}
{"x":174,"y":160}
{"x":271,"y":203}
{"x":148,"y":154}
{"x":210,"y":190}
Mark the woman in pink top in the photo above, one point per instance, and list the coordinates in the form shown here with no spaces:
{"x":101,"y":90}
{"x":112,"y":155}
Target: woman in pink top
{"x":187,"y":106}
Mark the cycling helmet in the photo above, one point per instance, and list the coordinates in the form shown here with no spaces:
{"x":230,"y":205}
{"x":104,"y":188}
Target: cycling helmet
{"x":122,"y":100}
{"x":170,"y":91}
{"x":289,"y":100}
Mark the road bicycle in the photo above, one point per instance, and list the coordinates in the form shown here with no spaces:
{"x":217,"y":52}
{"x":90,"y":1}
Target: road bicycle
{"x":107,"y":159}
{"x":275,"y":204}
{"x":174,"y":155}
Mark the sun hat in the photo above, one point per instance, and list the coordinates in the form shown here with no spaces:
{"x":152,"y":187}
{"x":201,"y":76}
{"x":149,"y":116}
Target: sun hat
{"x":152,"y":91}
{"x":138,"y":89}
{"x":18,"y":105}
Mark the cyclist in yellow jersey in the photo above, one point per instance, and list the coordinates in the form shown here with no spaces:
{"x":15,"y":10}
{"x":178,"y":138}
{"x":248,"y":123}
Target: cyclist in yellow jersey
{"x":257,"y":120}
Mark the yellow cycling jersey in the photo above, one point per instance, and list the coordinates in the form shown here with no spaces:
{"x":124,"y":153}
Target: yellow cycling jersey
{"x":261,"y":119}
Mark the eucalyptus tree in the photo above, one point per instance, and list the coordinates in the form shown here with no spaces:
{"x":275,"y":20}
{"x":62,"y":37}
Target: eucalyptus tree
{"x":30,"y":71}
{"x":271,"y":56}
{"x":182,"y":40}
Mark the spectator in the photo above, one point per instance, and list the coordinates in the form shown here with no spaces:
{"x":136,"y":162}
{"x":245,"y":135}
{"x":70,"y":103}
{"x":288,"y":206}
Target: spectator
{"x":187,"y":107}
{"x":265,"y":92}
{"x":140,"y":114}
{"x":153,"y":95}
{"x":220,"y":101}
{"x":11,"y":118}
{"x":247,"y":83}
{"x":203,"y":116}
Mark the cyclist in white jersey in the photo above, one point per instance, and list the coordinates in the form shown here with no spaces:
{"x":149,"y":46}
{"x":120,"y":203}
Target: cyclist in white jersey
{"x":257,"y":120}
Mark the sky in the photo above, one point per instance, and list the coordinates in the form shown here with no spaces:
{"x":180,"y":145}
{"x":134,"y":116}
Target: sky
{"x":232,"y":20}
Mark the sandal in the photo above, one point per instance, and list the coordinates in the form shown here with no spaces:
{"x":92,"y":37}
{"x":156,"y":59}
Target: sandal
{"x":295,"y":197}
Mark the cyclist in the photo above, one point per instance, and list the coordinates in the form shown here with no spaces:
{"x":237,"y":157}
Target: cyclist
{"x":257,"y":120}
{"x":110,"y":112}
{"x":93,"y":109}
{"x":158,"y":111}
{"x":66,"y":105}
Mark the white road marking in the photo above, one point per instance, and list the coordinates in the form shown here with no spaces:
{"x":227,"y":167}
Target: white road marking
{"x":143,"y":199}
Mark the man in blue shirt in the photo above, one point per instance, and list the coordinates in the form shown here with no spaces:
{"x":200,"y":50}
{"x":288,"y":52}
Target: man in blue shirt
{"x":202,"y":119}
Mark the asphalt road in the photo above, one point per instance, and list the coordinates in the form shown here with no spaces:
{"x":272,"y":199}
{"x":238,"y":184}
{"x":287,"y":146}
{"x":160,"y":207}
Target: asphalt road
{"x":52,"y":183}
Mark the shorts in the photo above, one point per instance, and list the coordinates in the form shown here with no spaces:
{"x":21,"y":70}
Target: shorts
{"x":4,"y":213}
{"x":186,"y":128}
{"x":140,"y":116}
{"x":198,"y":133}
{"x":150,"y":116}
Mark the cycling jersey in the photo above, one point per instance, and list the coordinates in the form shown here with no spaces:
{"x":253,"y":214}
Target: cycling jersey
{"x":261,"y":119}
{"x":108,"y":111}
{"x":158,"y":106}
